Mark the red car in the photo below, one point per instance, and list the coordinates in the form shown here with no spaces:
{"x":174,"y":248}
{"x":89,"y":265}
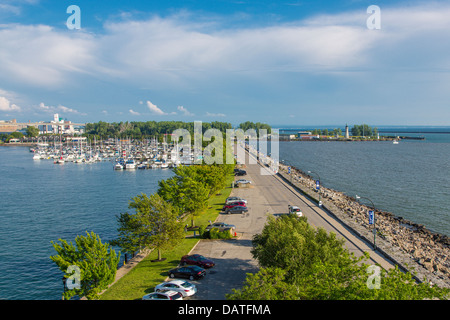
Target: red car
{"x":234,"y":204}
{"x":197,"y":259}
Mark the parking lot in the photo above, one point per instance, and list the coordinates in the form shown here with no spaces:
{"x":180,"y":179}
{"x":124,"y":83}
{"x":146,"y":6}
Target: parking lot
{"x":232,"y":257}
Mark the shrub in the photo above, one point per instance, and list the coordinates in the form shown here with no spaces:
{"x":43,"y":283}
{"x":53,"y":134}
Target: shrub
{"x":214,"y":233}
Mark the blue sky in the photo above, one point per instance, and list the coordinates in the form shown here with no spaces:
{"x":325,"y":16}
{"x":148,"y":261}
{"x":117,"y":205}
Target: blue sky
{"x":280,"y":62}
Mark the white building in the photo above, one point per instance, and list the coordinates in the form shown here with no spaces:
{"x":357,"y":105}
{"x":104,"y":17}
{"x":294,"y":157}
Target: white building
{"x":60,"y":126}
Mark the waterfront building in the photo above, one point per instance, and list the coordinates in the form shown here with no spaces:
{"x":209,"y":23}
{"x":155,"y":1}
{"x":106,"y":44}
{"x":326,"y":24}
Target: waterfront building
{"x":8,"y":126}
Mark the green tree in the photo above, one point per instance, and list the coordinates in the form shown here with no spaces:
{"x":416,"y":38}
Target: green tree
{"x":97,"y":263}
{"x":267,"y":284}
{"x":32,"y":132}
{"x":154,"y":225}
{"x":299,"y":262}
{"x":17,"y":135}
{"x":186,"y":191}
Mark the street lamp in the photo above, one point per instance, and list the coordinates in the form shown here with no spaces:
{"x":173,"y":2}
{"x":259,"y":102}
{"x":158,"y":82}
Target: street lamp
{"x":317,"y":185}
{"x":371,"y":220}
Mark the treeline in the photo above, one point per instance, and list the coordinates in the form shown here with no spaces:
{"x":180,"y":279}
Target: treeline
{"x":300,"y":262}
{"x":327,"y":132}
{"x":257,"y":126}
{"x":364,"y":130}
{"x":150,"y":129}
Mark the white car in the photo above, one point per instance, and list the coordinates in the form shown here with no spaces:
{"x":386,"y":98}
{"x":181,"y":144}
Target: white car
{"x":243,"y":181}
{"x":235,"y":199}
{"x":166,"y":295}
{"x":184,"y":287}
{"x":295,"y":210}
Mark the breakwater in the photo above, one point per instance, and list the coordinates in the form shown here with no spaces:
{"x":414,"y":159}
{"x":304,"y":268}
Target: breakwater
{"x":415,"y":248}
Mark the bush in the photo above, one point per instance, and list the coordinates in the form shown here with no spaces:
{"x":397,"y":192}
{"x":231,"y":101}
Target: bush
{"x":214,"y":233}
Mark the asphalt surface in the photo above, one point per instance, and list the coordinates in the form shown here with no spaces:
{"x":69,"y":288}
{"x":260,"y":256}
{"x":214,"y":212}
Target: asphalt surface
{"x":267,"y":195}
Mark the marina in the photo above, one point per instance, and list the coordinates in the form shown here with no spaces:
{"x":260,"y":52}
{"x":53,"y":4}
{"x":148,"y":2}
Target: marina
{"x":125,"y":154}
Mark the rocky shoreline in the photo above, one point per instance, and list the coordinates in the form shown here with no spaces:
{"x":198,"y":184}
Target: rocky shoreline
{"x":415,"y":248}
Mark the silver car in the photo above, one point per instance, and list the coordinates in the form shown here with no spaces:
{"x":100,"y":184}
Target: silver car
{"x":221,"y":226}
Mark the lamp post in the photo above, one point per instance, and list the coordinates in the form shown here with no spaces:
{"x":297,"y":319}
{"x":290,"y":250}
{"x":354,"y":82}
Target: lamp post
{"x":317,"y":185}
{"x":371,"y":220}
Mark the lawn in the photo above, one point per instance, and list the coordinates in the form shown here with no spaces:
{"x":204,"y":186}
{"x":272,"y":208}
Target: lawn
{"x":143,"y":278}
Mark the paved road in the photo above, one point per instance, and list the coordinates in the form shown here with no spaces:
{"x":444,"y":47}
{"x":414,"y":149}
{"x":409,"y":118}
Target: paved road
{"x":268,"y":194}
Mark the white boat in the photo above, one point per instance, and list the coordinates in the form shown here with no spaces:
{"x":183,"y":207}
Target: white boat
{"x":395,"y":142}
{"x":130,"y":164}
{"x":59,"y":161}
{"x":37,"y":156}
{"x":118,"y":166}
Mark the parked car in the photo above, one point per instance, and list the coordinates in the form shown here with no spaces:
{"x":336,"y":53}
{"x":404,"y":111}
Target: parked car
{"x":240,"y":173}
{"x":221,"y":226}
{"x":236,"y":209}
{"x":295,"y":210}
{"x":184,"y":287}
{"x":235,"y":199}
{"x":167,"y":295}
{"x":242,"y":181}
{"x":190,"y":272}
{"x":197,"y":259}
{"x":234,"y":204}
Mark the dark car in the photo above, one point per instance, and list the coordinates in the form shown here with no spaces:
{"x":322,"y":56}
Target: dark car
{"x":197,"y":259}
{"x":240,"y":173}
{"x":236,"y":209}
{"x":190,"y":272}
{"x":234,"y":204}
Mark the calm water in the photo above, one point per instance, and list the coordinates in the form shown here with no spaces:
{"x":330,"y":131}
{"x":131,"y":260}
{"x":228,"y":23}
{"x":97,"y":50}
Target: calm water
{"x":42,"y":202}
{"x":411,"y":179}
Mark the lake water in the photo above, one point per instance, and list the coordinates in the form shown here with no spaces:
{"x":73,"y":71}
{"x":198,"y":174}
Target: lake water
{"x":410,"y":179}
{"x":42,"y":202}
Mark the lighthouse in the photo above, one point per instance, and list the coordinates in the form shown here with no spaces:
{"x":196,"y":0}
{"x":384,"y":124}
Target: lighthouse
{"x":347,"y":135}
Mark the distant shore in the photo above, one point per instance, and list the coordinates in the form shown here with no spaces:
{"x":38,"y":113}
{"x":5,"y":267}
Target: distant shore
{"x":18,"y":144}
{"x":415,"y":248}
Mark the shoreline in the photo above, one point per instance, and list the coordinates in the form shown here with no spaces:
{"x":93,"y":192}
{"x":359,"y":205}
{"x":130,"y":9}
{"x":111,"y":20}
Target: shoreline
{"x":415,"y":248}
{"x":18,"y":144}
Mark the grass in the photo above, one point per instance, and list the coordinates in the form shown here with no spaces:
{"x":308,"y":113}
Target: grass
{"x":143,"y":278}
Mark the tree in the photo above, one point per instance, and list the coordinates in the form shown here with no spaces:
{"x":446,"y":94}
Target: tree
{"x":32,"y":132}
{"x":95,"y":261}
{"x":299,"y":262}
{"x":17,"y":135}
{"x":288,"y":237}
{"x":363,"y":130}
{"x":186,"y":191}
{"x":154,"y":225}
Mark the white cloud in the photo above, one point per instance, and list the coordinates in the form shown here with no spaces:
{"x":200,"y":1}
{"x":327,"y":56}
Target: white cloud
{"x":44,"y":57}
{"x":170,"y":50}
{"x":185,"y":111}
{"x":154,"y":109}
{"x":208,"y":114}
{"x":59,"y":109}
{"x":7,"y":106}
{"x":134,"y":113}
